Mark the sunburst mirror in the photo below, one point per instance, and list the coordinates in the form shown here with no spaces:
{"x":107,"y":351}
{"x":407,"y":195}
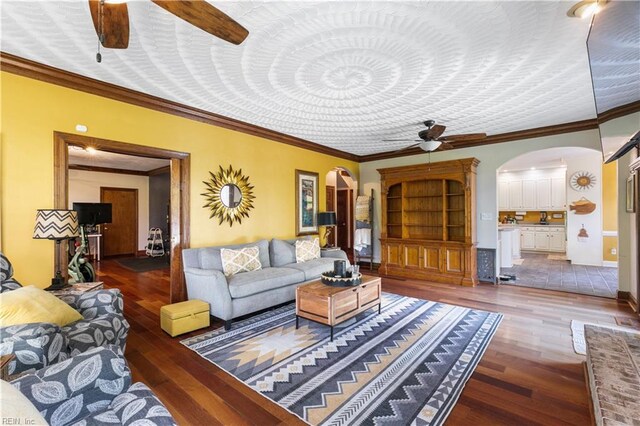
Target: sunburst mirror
{"x":229,"y":195}
{"x":582,"y":180}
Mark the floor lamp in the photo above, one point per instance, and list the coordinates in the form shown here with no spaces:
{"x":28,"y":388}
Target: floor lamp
{"x":328,"y":220}
{"x":56,"y":225}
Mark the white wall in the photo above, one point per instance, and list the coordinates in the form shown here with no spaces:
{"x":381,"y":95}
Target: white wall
{"x":491,"y":158}
{"x":589,"y":251}
{"x":619,"y":129}
{"x":84,"y":187}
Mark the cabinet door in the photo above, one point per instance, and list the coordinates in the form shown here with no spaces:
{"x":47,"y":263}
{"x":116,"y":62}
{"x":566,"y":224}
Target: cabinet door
{"x":515,"y":194}
{"x":515,"y":244}
{"x":431,"y":258}
{"x":503,"y":195}
{"x":453,"y":260}
{"x":556,"y":240}
{"x":411,"y":258}
{"x":392,"y":253}
{"x":543,"y":194}
{"x":529,"y":194}
{"x":528,"y":240}
{"x":542,"y":240}
{"x":558,"y":194}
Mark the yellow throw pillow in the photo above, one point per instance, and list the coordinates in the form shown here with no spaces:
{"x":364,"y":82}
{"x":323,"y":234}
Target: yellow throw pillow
{"x":32,"y":304}
{"x":243,"y":260}
{"x":307,"y":250}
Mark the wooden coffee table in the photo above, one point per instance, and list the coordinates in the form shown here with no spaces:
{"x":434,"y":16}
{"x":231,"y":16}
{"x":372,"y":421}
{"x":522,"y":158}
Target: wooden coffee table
{"x":329,"y":305}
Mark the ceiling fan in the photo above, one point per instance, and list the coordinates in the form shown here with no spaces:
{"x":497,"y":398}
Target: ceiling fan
{"x":111,"y":21}
{"x":431,"y":138}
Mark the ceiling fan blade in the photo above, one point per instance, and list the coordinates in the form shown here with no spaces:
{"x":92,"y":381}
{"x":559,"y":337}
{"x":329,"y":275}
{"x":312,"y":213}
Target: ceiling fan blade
{"x":465,"y":137}
{"x":201,"y":14}
{"x":446,"y":145}
{"x":114,"y":22}
{"x":407,"y":147}
{"x":400,"y":140}
{"x":435,"y":131}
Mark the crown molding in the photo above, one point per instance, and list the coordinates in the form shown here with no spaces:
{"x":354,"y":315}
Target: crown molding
{"x":27,"y":68}
{"x":619,"y":111}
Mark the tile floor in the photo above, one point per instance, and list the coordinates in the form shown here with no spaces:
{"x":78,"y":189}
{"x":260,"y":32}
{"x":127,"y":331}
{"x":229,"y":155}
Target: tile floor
{"x":540,"y":272}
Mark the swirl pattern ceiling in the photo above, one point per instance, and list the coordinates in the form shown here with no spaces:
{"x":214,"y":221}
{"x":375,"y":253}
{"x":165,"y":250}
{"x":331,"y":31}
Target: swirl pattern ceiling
{"x":342,"y":74}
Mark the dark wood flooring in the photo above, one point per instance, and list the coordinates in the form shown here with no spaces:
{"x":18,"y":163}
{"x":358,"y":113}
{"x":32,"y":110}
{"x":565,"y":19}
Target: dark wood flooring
{"x":529,"y":374}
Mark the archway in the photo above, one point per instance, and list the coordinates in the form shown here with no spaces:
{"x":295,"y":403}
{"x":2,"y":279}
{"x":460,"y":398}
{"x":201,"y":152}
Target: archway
{"x":341,"y":188}
{"x":557,"y":211}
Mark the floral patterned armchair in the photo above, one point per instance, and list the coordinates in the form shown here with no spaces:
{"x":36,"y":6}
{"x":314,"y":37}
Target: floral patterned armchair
{"x":38,"y":345}
{"x":92,"y":388}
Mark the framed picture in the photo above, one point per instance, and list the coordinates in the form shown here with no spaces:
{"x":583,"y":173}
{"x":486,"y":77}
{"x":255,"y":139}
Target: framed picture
{"x":631,"y":194}
{"x":306,"y":202}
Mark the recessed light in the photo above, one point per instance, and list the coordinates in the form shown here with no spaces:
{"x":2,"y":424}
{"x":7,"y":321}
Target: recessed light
{"x":585,"y":9}
{"x":533,"y":168}
{"x":91,"y":150}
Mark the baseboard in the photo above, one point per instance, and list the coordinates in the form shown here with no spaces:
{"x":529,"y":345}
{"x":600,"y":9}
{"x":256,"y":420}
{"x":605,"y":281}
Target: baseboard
{"x":609,"y":264}
{"x":624,"y":295}
{"x":628,"y":297}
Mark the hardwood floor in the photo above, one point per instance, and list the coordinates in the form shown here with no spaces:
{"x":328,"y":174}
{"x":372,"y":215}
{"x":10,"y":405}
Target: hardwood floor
{"x":529,"y":374}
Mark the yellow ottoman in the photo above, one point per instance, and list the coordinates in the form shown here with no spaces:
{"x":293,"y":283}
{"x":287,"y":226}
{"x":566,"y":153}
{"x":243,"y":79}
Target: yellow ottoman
{"x":183,"y":317}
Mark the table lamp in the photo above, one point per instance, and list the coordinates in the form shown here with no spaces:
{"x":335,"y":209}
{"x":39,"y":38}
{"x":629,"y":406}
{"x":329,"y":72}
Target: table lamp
{"x":56,"y":225}
{"x":328,"y":220}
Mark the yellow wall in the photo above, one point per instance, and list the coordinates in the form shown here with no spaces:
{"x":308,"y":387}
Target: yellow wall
{"x":32,"y":110}
{"x":609,"y":210}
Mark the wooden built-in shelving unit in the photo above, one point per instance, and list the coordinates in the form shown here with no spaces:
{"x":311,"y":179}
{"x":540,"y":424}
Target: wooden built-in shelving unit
{"x":428,"y":221}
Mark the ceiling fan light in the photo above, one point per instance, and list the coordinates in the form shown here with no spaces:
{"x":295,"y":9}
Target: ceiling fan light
{"x":584,"y":9}
{"x":115,"y":1}
{"x":429,"y":146}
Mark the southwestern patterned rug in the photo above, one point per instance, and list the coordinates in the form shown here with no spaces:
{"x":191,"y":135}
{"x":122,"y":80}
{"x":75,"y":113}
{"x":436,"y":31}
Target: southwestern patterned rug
{"x":405,"y":365}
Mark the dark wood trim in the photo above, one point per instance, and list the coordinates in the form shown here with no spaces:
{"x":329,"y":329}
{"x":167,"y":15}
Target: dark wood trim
{"x":626,"y":296}
{"x":26,"y":68}
{"x":159,"y":171}
{"x":180,"y":192}
{"x":619,"y":111}
{"x":107,"y":170}
{"x":556,"y":129}
{"x":134,"y":249}
{"x":623,"y":295}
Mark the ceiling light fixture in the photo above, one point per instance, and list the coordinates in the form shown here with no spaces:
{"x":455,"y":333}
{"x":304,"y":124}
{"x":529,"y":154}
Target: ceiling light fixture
{"x":91,"y":150}
{"x":430,"y":145}
{"x":585,"y":9}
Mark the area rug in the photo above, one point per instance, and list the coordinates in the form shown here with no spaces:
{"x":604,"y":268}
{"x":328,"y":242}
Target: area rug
{"x":407,"y":364}
{"x":577,"y":334}
{"x":144,"y":264}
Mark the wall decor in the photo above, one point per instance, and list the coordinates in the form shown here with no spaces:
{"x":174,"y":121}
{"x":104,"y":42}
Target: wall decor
{"x":583,"y":235}
{"x":306,"y":202}
{"x":582,"y":180}
{"x":229,"y":195}
{"x":631,"y":194}
{"x":582,"y":206}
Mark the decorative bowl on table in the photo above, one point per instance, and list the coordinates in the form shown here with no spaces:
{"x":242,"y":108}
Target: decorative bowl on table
{"x":329,"y":278}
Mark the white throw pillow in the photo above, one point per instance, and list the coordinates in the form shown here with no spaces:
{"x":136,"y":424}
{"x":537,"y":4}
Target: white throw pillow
{"x":17,"y":407}
{"x":243,"y":260}
{"x":307,"y":250}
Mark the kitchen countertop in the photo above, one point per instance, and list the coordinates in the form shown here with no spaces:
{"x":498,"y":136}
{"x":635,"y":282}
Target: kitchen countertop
{"x":521,"y":224}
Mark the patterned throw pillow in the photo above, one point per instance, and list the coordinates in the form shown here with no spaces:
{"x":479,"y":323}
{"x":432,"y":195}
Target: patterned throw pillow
{"x":243,"y":260}
{"x":307,"y":250}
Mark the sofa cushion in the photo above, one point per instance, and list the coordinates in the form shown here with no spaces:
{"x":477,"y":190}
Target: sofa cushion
{"x":313,"y":268}
{"x":307,"y":250}
{"x":248,"y":283}
{"x":283,"y":252}
{"x":210,"y":257}
{"x":243,"y":260}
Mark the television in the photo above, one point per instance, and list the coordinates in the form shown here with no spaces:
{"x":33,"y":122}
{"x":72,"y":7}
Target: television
{"x":93,"y":213}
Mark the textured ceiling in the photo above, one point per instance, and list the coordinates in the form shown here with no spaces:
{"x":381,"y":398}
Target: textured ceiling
{"x":342,"y":74}
{"x":614,"y":54}
{"x":80,"y":157}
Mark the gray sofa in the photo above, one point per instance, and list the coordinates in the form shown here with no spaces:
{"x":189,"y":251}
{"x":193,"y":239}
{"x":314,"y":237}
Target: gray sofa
{"x":247,"y":292}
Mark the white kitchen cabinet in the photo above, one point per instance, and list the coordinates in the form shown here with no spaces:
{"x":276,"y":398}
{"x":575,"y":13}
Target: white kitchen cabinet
{"x":503,"y":195}
{"x":542,"y":240}
{"x":558,"y":194}
{"x":515,"y":194}
{"x":543,"y":194}
{"x":515,"y":243}
{"x":528,"y":194}
{"x":557,"y":240}
{"x":527,"y":239}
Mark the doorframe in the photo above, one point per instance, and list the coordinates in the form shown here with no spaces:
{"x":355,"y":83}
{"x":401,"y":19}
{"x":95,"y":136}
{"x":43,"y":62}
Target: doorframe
{"x":135,"y":191}
{"x":180,"y":167}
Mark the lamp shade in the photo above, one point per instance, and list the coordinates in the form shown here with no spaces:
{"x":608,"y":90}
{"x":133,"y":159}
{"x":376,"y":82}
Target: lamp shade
{"x":326,"y":218}
{"x":56,"y":224}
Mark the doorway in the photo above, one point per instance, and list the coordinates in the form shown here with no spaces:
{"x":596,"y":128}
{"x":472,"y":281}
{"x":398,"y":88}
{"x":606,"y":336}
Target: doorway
{"x":341,"y":189}
{"x":121,"y":235}
{"x":344,"y":213}
{"x":179,"y":212}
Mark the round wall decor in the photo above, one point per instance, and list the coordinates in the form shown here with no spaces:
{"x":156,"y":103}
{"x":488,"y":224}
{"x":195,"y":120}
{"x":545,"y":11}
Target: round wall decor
{"x":229,"y":195}
{"x":582,"y":180}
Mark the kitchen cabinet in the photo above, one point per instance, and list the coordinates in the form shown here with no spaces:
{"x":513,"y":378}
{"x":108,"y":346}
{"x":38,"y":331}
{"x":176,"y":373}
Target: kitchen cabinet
{"x":527,"y":239}
{"x":557,"y":240}
{"x":543,"y":238}
{"x":558,"y":194}
{"x":529,"y":194}
{"x":522,"y":191}
{"x":503,"y":195}
{"x":515,"y":194}
{"x":543,"y":194}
